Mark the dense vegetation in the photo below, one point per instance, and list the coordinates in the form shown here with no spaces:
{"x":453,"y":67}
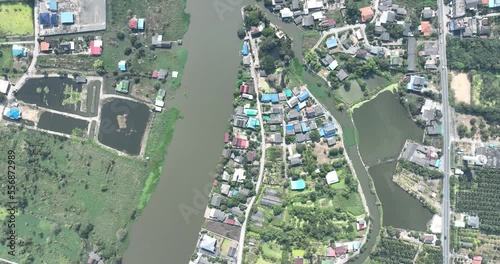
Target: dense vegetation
{"x":473,"y":54}
{"x":419,"y":170}
{"x":394,"y":251}
{"x":479,"y":195}
{"x":489,"y":113}
{"x":430,"y":255}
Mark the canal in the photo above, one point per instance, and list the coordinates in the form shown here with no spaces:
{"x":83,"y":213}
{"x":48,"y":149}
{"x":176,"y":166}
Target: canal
{"x":167,"y":230}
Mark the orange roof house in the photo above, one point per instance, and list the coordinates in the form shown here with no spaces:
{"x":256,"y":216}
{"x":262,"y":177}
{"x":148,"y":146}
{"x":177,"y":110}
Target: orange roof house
{"x":477,"y":260}
{"x":132,"y":23}
{"x":44,"y":46}
{"x":425,"y":28}
{"x":366,"y":13}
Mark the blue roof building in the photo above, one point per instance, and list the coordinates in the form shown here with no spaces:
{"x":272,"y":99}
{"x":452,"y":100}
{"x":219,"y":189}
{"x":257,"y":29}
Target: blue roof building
{"x":298,"y":185}
{"x":331,"y":43}
{"x":140,"y":23}
{"x":290,"y":127}
{"x":18,"y":51}
{"x":297,"y":107}
{"x":253,"y":123}
{"x":304,"y":127}
{"x":303,"y":96}
{"x":417,"y":83}
{"x":67,"y":18}
{"x":493,"y":3}
{"x":244,"y":50}
{"x":54,"y":20}
{"x":356,"y":245}
{"x":44,"y":19}
{"x":14,"y":114}
{"x":52,"y":5}
{"x":275,"y":98}
{"x":266,"y":98}
{"x":328,"y":130}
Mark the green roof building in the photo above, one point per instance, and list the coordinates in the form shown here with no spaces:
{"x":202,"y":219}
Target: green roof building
{"x":250,"y":112}
{"x":288,"y":93}
{"x":122,"y":87}
{"x":298,"y":185}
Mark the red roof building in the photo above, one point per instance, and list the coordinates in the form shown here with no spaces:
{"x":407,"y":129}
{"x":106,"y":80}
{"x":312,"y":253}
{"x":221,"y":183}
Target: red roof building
{"x":328,"y":23}
{"x":366,"y":13}
{"x":299,"y":261}
{"x":330,"y":252}
{"x":245,"y":88}
{"x":477,"y":260}
{"x":95,"y":48}
{"x":44,"y":46}
{"x":132,"y":23}
{"x":216,"y":182}
{"x":340,"y":251}
{"x":425,"y":28}
{"x":240,"y":143}
{"x":226,"y":138}
{"x":230,"y":221}
{"x":154,"y":74}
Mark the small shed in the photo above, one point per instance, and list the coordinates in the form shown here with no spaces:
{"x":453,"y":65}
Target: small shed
{"x":67,"y":17}
{"x":52,"y":5}
{"x":162,"y":74}
{"x":122,"y":65}
{"x":123,"y":86}
{"x":133,"y":23}
{"x":44,"y":19}
{"x":18,"y":51}
{"x":81,"y":79}
{"x":298,"y":184}
{"x":44,"y":46}
{"x":140,"y":23}
{"x":4,"y":86}
{"x":13,"y":113}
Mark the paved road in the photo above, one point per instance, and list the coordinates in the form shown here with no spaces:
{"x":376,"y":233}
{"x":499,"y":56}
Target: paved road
{"x":255,"y":77}
{"x":446,"y":135}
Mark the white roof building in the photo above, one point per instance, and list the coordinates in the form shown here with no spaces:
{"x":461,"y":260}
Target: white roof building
{"x":333,"y":65}
{"x":286,"y":13}
{"x":332,"y":177}
{"x":239,"y":175}
{"x":4,"y":86}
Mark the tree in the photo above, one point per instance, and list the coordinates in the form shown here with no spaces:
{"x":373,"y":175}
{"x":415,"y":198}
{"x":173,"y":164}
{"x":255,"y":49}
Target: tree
{"x":98,"y":65}
{"x":120,"y":35}
{"x":462,"y":130}
{"x":314,"y":135}
{"x":241,"y":33}
{"x":300,"y":148}
{"x":289,"y":139}
{"x":268,"y":32}
{"x":127,"y":51}
{"x":352,"y":12}
{"x":267,"y":64}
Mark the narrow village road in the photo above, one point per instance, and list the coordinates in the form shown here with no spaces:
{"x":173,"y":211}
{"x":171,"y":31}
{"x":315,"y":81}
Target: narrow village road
{"x":255,"y":78}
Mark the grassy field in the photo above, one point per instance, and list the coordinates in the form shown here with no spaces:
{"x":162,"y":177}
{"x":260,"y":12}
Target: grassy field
{"x":353,"y":95}
{"x":6,"y":60}
{"x":17,"y":19}
{"x":97,"y":192}
{"x":416,"y":4}
{"x":310,"y":37}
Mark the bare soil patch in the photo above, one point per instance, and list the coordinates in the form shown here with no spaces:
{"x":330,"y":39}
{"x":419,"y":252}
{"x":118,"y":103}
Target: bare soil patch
{"x":122,"y":121}
{"x":461,"y":86}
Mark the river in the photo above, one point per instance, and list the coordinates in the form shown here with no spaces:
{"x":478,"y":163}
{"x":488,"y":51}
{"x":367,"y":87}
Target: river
{"x":163,"y":234}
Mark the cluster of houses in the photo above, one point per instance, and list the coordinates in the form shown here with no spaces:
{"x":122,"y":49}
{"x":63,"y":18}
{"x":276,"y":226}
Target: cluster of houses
{"x":470,"y":26}
{"x":75,"y":46}
{"x":306,"y":13}
{"x":424,"y":156}
{"x":50,"y":16}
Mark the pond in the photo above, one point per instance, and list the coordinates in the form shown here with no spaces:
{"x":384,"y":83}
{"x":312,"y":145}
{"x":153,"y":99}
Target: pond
{"x":383,"y":126}
{"x":63,"y":124}
{"x":376,"y":82}
{"x":61,"y":94}
{"x":122,"y":125}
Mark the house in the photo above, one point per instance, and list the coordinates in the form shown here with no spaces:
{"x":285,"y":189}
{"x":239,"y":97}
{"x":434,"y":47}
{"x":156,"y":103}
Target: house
{"x":430,"y":49}
{"x":162,"y":74}
{"x":239,"y":175}
{"x":250,"y":112}
{"x":159,"y":98}
{"x":225,"y":176}
{"x":331,"y":43}
{"x":328,"y":23}
{"x":44,"y":19}
{"x":81,"y":79}
{"x":293,"y":114}
{"x":300,"y":138}
{"x":208,"y":243}
{"x":293,"y":102}
{"x":270,"y":198}
{"x":298,"y":20}
{"x":430,"y":64}
{"x":224,"y":189}
{"x":472,"y":4}
{"x":13,"y":113}
{"x":19,"y":51}
{"x":244,"y":49}
{"x":425,"y":28}
{"x":330,"y":252}
{"x":295,"y":161}
{"x":333,"y":65}
{"x":328,"y":130}
{"x":427,"y":13}
{"x":67,"y":18}
{"x":327,"y":60}
{"x":303,"y":96}
{"x":308,"y":21}
{"x":240,"y":122}
{"x":253,"y":123}
{"x":52,"y":5}
{"x":379,"y":30}
{"x":332,"y":177}
{"x":407,"y":29}
{"x":473,"y":222}
{"x":251,"y":156}
{"x":340,"y":251}
{"x":318,"y":16}
{"x":360,"y":224}
{"x":331,"y":141}
{"x":396,"y":61}
{"x":275,"y":119}
{"x":54,"y":19}
{"x":122,"y":65}
{"x":247,"y":61}
{"x":342,"y":75}
{"x":295,"y":5}
{"x":485,"y":31}
{"x":236,"y":211}
{"x":123,"y":86}
{"x":485,"y":22}
{"x":286,"y":13}
{"x":366,"y":14}
{"x":411,"y":51}
{"x":226,"y":153}
{"x":400,"y":12}
{"x":140,"y":24}
{"x":417,"y":83}
{"x":387,"y":17}
{"x":385,"y":36}
{"x":477,"y":260}
{"x":95,"y":47}
{"x":158,"y":42}
{"x":276,"y":139}
{"x":298,"y":185}
{"x":44,"y":46}
{"x":245,"y":88}
{"x":313,"y":4}
{"x":133,"y":23}
{"x":216,"y":200}
{"x":66,"y":46}
{"x":4,"y":86}
{"x":427,"y":239}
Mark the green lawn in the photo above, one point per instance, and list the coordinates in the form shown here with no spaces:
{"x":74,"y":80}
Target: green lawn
{"x":6,"y":59}
{"x":310,"y":38}
{"x":17,"y":19}
{"x":353,"y":95}
{"x":271,"y":250}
